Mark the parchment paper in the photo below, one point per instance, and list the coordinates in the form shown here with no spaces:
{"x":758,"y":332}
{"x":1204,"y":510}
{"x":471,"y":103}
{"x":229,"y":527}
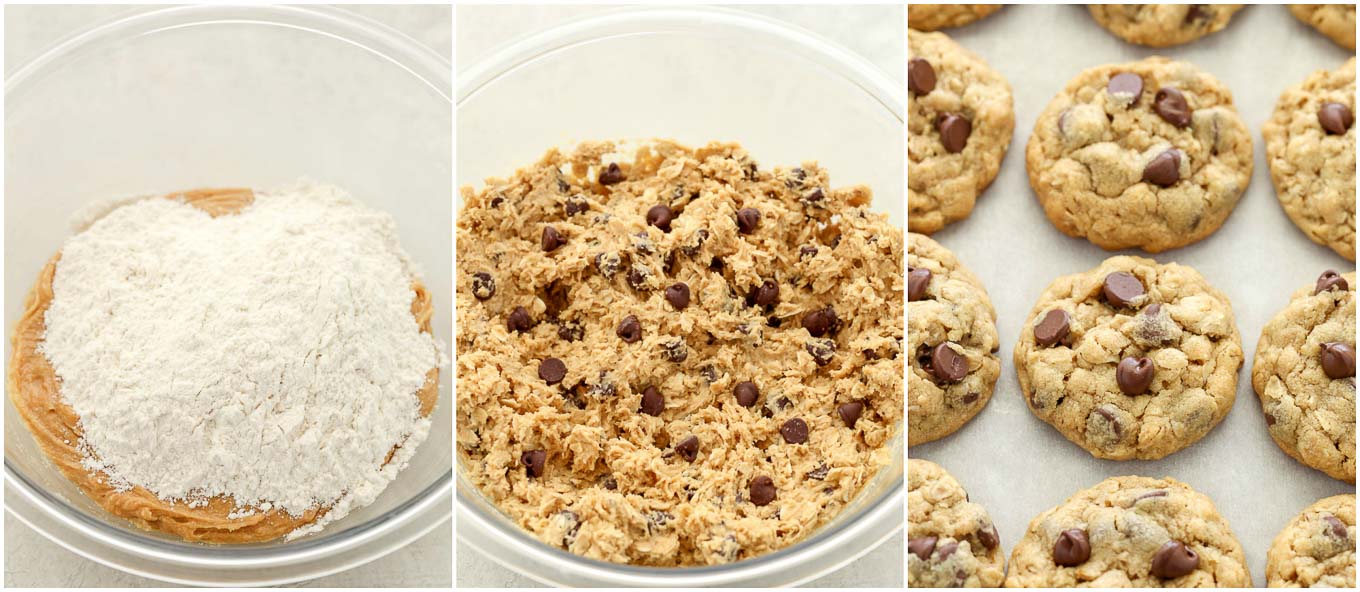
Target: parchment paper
{"x":1018,"y":466}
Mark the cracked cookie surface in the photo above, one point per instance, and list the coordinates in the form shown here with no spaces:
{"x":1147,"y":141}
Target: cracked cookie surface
{"x":951,"y":542}
{"x":1132,"y":359}
{"x":1130,"y":532}
{"x":1310,"y":146}
{"x":671,"y":356}
{"x":949,"y":308}
{"x":1336,"y":21}
{"x":1304,"y":373}
{"x":1317,"y":548}
{"x":958,"y":129}
{"x":1162,"y":25}
{"x":1148,"y":154}
{"x":931,"y":17}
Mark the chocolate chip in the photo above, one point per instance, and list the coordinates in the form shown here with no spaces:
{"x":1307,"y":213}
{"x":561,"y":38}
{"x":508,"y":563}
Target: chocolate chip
{"x":570,"y":331}
{"x":1197,"y":12}
{"x":688,"y":448}
{"x":819,"y":473}
{"x":675,"y":351}
{"x":954,"y":131}
{"x":611,"y":174}
{"x":946,"y":364}
{"x":552,"y":239}
{"x":611,"y":483}
{"x":484,"y":286}
{"x":1338,"y":360}
{"x":660,"y":216}
{"x":850,"y":412}
{"x":1174,"y":560}
{"x":1053,"y":328}
{"x":762,"y":490}
{"x":1335,"y":118}
{"x":920,"y":76}
{"x":767,"y":294}
{"x":944,"y":551}
{"x":716,"y":264}
{"x":1270,"y":420}
{"x":1171,"y":105}
{"x":638,"y":276}
{"x":1150,"y":494}
{"x":652,"y":402}
{"x":1164,"y":170}
{"x":821,"y":350}
{"x":533,"y":461}
{"x":552,"y":370}
{"x":814,"y":196}
{"x":519,"y":320}
{"x":1112,"y":420}
{"x":820,"y":322}
{"x":795,"y":431}
{"x":630,"y":329}
{"x":747,"y":220}
{"x":1122,"y":288}
{"x":917,"y":281}
{"x":922,"y":547}
{"x":1338,"y":528}
{"x":988,"y":536}
{"x":607,"y":264}
{"x":807,"y":251}
{"x":1071,"y":548}
{"x":678,"y":295}
{"x":1134,"y":375}
{"x":1329,"y":280}
{"x":1126,"y":83}
{"x":746,"y":393}
{"x":575,"y":205}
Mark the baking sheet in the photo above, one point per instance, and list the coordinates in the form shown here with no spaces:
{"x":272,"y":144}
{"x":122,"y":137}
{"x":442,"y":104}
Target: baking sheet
{"x":1018,"y":466}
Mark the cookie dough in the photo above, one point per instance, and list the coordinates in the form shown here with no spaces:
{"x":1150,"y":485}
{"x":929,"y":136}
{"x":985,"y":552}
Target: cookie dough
{"x":1162,"y":25}
{"x":1149,"y":154}
{"x":952,"y":334}
{"x":1317,"y":548}
{"x":1135,"y":532}
{"x":670,"y":356}
{"x":1304,"y":372}
{"x":1310,"y":146}
{"x":1132,"y":359}
{"x":931,"y":17}
{"x":36,"y":393}
{"x":958,"y":129}
{"x":951,"y":542}
{"x":1336,"y":21}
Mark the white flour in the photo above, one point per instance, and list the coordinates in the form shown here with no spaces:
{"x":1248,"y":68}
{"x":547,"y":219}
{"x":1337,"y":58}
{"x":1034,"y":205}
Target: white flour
{"x":269,"y":355}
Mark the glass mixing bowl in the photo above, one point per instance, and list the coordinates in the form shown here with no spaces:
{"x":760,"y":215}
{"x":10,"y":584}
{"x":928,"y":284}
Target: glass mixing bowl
{"x":692,"y":75}
{"x":202,"y":96}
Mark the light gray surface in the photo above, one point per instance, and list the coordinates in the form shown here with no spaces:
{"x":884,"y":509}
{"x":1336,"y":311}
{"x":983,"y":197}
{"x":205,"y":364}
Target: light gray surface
{"x":30,"y":559}
{"x":867,"y":30}
{"x":1011,"y":462}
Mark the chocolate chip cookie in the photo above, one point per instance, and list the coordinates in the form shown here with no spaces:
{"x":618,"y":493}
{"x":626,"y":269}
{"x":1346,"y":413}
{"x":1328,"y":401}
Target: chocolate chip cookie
{"x":1163,"y":25}
{"x":1149,"y":154}
{"x":1317,"y":548}
{"x":672,"y":356}
{"x":951,"y":542}
{"x":1304,"y":372}
{"x":1130,"y":532}
{"x":931,"y":17}
{"x":1310,"y":145}
{"x":1336,"y":21}
{"x":952,"y":334}
{"x":958,"y":129}
{"x":1133,"y":359}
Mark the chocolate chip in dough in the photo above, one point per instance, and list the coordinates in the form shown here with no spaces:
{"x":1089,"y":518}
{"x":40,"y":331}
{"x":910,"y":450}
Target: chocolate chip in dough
{"x":607,"y":264}
{"x":570,"y":331}
{"x":660,"y":216}
{"x":807,"y":251}
{"x":638,"y":276}
{"x":678,"y":295}
{"x":748,"y":219}
{"x":652,"y":402}
{"x":1338,"y":360}
{"x":519,"y":320}
{"x":1072,"y":548}
{"x":688,"y":448}
{"x":795,"y":431}
{"x":575,"y":205}
{"x":1134,"y":375}
{"x":762,"y":490}
{"x":1329,"y":280}
{"x":954,"y":131}
{"x":850,"y":412}
{"x":629,"y":329}
{"x":920,"y":76}
{"x":1126,"y":83}
{"x":1335,"y":118}
{"x":746,"y":393}
{"x":1164,"y":170}
{"x":1337,"y":528}
{"x":552,"y":239}
{"x":922,"y":547}
{"x":675,"y":351}
{"x":821,"y":350}
{"x":946,"y":364}
{"x":552,"y":370}
{"x":484,"y":286}
{"x":917,"y":281}
{"x":611,"y":174}
{"x":533,"y":461}
{"x":1053,"y":328}
{"x":766,"y":295}
{"x":1170,"y":103}
{"x":1174,"y":560}
{"x":820,"y":322}
{"x":1122,"y":288}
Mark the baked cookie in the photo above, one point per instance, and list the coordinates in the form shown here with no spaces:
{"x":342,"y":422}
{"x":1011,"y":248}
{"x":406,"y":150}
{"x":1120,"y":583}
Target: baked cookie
{"x":1310,"y":145}
{"x":1304,"y":372}
{"x":1134,"y":532}
{"x":951,"y":542}
{"x":952,"y":334}
{"x":1149,"y":154}
{"x":930,"y":17}
{"x":1336,"y":21}
{"x":1317,"y":548}
{"x":958,"y":129}
{"x":1132,"y":359}
{"x":1162,"y":25}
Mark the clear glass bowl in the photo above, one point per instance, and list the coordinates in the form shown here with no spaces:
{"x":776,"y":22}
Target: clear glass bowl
{"x":199,"y":96}
{"x":692,"y":75}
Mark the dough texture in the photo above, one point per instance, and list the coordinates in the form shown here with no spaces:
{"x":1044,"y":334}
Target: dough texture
{"x":952,"y":542}
{"x":1163,"y":25}
{"x":1317,"y":548}
{"x":610,"y":416}
{"x":931,"y":17}
{"x":1336,"y":21}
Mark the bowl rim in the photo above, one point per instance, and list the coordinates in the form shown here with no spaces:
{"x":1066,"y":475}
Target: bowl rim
{"x":876,"y":522}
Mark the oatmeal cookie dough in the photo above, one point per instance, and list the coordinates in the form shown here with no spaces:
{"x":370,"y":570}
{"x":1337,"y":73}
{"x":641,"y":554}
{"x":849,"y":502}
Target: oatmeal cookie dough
{"x":1310,"y":146}
{"x":1149,"y":154}
{"x":1132,"y":531}
{"x":931,"y":17}
{"x":35,"y":391}
{"x":1304,"y":373}
{"x":1336,"y":21}
{"x":1162,"y":25}
{"x":951,"y":542}
{"x":952,"y":334}
{"x":958,"y":129}
{"x":1317,"y":548}
{"x":670,"y":356}
{"x":1132,"y":359}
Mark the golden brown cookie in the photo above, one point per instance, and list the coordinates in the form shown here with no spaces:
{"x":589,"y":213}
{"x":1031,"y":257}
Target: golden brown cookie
{"x":1336,"y":21}
{"x":931,"y":17}
{"x":951,"y":542}
{"x":1317,"y":548}
{"x":1162,"y":25}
